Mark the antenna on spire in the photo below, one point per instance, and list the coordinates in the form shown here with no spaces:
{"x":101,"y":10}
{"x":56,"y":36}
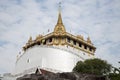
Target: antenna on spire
{"x":59,"y":15}
{"x":59,"y":6}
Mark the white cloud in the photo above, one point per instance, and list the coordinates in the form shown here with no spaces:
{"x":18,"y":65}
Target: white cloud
{"x":19,"y":19}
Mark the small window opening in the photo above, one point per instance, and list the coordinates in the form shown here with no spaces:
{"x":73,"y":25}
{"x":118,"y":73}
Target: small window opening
{"x":74,"y":42}
{"x":68,"y":40}
{"x":80,"y":45}
{"x":85,"y":47}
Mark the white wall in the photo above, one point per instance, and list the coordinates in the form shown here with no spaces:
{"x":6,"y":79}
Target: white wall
{"x":63,"y":59}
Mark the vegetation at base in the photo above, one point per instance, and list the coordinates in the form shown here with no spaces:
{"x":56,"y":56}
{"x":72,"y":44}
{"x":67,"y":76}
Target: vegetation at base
{"x":114,"y":76}
{"x":98,"y":67}
{"x":93,"y":66}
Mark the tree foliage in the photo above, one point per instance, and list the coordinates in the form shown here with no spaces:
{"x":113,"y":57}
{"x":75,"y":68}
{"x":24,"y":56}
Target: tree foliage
{"x":93,"y":66}
{"x":114,"y":76}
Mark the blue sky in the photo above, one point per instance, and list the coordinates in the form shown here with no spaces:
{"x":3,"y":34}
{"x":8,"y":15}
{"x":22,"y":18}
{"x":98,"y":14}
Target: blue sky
{"x":20,"y":19}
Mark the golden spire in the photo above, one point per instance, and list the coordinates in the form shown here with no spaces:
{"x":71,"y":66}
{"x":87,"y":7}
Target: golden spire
{"x":59,"y":28}
{"x":59,"y":15}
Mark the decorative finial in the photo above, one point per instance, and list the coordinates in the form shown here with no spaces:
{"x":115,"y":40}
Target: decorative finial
{"x":30,"y":39}
{"x":59,"y":15}
{"x":88,"y":40}
{"x":59,"y":28}
{"x":59,"y":6}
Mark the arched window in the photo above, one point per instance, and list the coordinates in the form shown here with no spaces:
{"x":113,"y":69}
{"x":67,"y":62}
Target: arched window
{"x":50,"y":40}
{"x":74,"y":42}
{"x":38,"y":43}
{"x":85,"y":47}
{"x":80,"y":45}
{"x":44,"y":43}
{"x":68,"y":40}
{"x":90,"y":49}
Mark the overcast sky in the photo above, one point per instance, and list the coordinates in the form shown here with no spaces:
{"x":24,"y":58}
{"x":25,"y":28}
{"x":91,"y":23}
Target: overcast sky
{"x":20,"y":19}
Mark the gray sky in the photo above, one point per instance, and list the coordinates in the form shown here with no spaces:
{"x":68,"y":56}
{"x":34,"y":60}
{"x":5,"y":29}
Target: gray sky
{"x":20,"y":19}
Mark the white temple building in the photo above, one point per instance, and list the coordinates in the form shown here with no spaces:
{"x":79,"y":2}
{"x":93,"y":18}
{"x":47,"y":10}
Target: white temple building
{"x":58,"y":51}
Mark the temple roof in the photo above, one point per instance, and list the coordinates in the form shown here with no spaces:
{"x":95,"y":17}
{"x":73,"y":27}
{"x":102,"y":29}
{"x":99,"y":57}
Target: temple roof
{"x":60,"y":37}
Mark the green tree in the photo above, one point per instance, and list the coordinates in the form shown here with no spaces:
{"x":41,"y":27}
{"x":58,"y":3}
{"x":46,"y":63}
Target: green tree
{"x":114,"y":76}
{"x":93,"y":66}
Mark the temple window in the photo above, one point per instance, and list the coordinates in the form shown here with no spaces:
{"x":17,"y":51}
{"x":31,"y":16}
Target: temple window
{"x":68,"y":40}
{"x":50,"y":40}
{"x":74,"y":42}
{"x":85,"y":47}
{"x":80,"y":45}
{"x":90,"y":49}
{"x":38,"y":43}
{"x":44,"y":42}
